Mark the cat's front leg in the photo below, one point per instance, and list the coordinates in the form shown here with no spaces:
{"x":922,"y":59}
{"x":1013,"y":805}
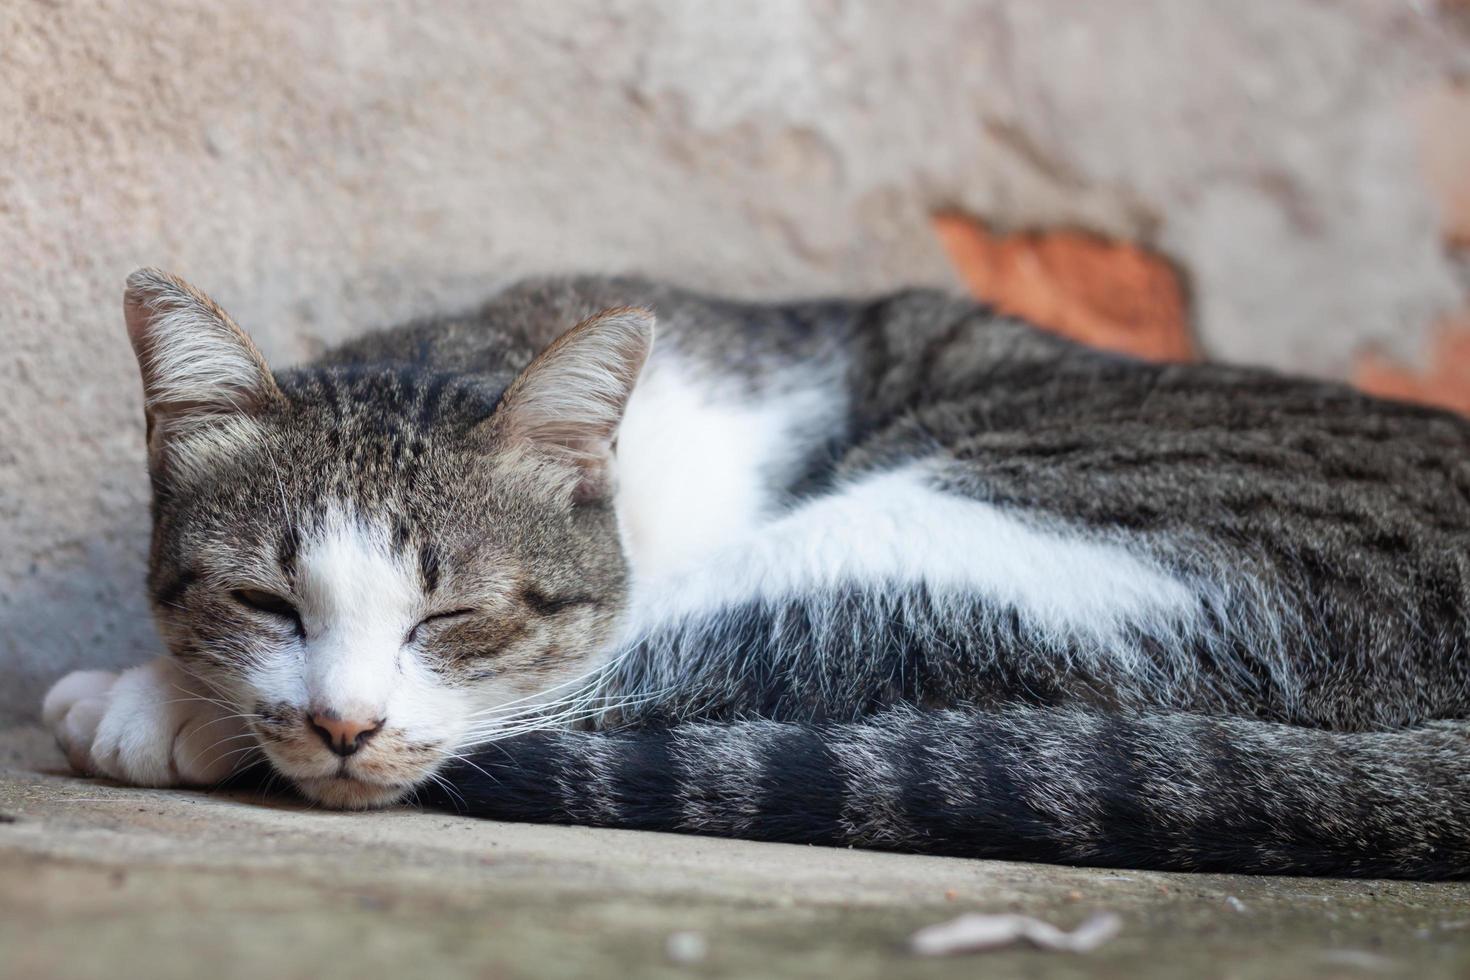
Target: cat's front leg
{"x":150,"y":726}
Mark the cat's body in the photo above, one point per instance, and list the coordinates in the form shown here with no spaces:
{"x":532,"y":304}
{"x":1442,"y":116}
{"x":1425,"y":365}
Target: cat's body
{"x":894,"y":573}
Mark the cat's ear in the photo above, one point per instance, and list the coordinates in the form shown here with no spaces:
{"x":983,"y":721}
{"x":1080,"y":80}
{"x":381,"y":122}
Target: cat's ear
{"x":200,"y":370}
{"x":568,"y":403}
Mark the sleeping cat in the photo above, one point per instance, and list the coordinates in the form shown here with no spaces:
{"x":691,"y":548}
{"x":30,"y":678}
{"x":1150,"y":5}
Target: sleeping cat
{"x":895,"y":573}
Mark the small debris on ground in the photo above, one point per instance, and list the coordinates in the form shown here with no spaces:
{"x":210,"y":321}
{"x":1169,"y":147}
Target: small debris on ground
{"x":686,"y":947}
{"x":978,"y":932}
{"x":1235,"y":903}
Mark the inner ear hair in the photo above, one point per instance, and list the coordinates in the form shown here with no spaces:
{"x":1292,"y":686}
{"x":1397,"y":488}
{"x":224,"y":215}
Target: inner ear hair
{"x":568,"y":403}
{"x":198,"y":367}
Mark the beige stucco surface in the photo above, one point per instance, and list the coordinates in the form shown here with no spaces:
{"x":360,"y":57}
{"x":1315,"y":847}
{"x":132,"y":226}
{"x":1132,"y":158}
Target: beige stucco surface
{"x":322,"y":167}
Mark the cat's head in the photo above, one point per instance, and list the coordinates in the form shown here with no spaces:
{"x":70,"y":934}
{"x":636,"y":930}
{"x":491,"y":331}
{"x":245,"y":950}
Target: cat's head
{"x":373,"y":565}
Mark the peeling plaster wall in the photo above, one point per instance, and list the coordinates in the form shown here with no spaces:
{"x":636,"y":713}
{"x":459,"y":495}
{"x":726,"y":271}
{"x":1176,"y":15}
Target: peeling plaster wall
{"x":322,"y":167}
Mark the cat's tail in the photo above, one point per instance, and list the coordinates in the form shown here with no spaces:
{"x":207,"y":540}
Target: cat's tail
{"x":1165,"y":791}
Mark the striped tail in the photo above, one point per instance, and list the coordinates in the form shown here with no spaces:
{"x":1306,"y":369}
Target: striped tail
{"x":1162,"y":791}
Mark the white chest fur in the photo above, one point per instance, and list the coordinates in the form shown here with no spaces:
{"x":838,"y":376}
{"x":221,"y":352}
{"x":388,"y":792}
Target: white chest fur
{"x":697,"y":464}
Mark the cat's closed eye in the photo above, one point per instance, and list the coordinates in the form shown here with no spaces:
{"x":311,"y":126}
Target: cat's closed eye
{"x":549,"y":605}
{"x":431,"y":621}
{"x":270,"y":604}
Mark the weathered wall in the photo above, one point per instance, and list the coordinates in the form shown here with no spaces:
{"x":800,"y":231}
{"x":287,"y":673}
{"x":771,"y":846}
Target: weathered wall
{"x":323,"y":166}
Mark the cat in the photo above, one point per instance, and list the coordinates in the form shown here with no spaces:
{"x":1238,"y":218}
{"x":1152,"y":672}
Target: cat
{"x":896,"y":573}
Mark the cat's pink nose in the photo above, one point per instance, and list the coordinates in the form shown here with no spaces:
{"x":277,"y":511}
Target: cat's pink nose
{"x":343,"y":736}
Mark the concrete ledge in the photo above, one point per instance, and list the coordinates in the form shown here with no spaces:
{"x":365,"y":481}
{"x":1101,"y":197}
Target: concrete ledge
{"x":99,"y":880}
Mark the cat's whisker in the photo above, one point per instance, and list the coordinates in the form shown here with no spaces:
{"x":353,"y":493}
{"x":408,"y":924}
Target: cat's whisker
{"x":245,"y":761}
{"x":233,"y":716}
{"x":192,"y":696}
{"x":232,"y":752}
{"x":449,"y":788}
{"x":586,"y":698}
{"x":273,"y":779}
{"x":588,"y":707}
{"x":467,"y":761}
{"x":200,"y":754}
{"x":543,"y":708}
{"x":556,"y":721}
{"x":209,"y":683}
{"x":240,"y":716}
{"x":580,"y":678}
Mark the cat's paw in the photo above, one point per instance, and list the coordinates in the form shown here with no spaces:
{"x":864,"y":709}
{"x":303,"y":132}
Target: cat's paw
{"x":72,"y":709}
{"x":148,"y":726}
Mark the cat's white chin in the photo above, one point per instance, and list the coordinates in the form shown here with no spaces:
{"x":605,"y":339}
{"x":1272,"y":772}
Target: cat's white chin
{"x":347,"y":793}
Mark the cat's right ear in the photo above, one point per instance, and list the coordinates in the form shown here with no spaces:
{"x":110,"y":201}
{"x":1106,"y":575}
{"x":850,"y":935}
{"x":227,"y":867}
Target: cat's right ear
{"x":568,"y":403}
{"x":200,"y":371}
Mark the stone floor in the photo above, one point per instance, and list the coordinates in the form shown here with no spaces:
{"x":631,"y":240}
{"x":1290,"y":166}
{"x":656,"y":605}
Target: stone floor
{"x":98,"y":880}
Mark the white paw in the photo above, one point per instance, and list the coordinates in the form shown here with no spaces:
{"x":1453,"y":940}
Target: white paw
{"x":72,"y":709}
{"x":149,"y":726}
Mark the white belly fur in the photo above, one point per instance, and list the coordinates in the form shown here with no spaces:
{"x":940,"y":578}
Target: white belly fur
{"x":702,"y":527}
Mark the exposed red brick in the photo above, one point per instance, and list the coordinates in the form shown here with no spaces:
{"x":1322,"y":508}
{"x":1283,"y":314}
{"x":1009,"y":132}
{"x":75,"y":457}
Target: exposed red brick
{"x":1446,"y":383}
{"x":1108,"y":294}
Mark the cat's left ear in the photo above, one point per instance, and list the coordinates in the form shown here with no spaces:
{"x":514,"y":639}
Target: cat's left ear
{"x":568,"y":403}
{"x":200,"y":371}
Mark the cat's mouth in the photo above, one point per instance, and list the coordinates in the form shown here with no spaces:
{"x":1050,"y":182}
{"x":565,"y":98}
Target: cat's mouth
{"x":349,"y":784}
{"x":383,"y":773}
{"x":343,"y":791}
